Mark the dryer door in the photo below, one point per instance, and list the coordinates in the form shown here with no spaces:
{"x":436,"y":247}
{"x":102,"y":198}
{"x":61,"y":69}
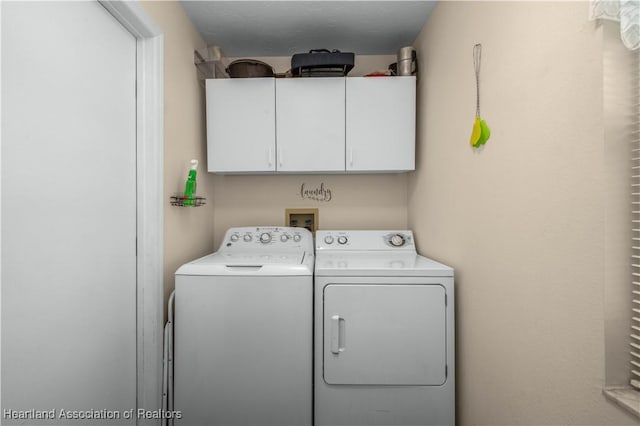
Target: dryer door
{"x":384,"y":334}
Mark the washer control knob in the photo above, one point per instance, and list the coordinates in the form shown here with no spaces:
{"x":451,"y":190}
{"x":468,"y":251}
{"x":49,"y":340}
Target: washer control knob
{"x":284,"y":238}
{"x":328,"y":239}
{"x":265,"y":237}
{"x":397,"y":240}
{"x":235,"y":237}
{"x":297,"y":238}
{"x":248,"y":237}
{"x":342,"y":240}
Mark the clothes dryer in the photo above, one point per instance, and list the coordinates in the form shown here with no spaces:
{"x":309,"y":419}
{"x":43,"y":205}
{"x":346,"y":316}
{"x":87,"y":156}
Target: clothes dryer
{"x":243,"y":331}
{"x":384,"y":332}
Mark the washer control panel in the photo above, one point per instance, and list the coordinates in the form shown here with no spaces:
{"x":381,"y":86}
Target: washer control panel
{"x":364,"y":240}
{"x":268,"y":238}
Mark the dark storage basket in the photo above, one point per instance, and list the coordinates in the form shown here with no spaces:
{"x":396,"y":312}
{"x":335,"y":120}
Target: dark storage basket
{"x":249,"y":68}
{"x":322,"y":63}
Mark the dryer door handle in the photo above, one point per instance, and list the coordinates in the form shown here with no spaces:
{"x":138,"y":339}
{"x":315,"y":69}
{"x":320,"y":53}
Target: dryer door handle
{"x":337,"y":334}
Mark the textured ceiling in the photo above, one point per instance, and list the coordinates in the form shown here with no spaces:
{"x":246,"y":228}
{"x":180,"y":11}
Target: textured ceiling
{"x":282,"y":28}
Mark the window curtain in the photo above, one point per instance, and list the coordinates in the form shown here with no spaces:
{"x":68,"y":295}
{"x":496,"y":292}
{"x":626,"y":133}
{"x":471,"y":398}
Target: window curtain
{"x":626,"y":12}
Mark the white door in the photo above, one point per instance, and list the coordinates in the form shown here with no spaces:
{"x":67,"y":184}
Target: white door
{"x":381,"y":123}
{"x":384,"y":334}
{"x":310,"y":124}
{"x":68,"y":212}
{"x":241,"y":125}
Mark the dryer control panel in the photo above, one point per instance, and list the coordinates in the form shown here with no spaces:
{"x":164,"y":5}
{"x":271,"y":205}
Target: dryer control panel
{"x":267,"y":238}
{"x":365,"y":240}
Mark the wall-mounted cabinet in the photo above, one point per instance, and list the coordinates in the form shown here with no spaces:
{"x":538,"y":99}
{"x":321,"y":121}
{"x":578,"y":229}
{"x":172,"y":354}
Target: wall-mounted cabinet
{"x":241,"y":125}
{"x":380,"y":124}
{"x":311,"y":125}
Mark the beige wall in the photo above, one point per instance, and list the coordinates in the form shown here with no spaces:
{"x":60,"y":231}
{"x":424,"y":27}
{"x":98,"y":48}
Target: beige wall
{"x":188,"y":232}
{"x":358,"y":201}
{"x":523,"y":219}
{"x":619,"y":104}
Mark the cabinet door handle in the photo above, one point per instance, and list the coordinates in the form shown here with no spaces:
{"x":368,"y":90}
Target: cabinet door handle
{"x":270,"y":156}
{"x":280,"y":157}
{"x":351,"y":156}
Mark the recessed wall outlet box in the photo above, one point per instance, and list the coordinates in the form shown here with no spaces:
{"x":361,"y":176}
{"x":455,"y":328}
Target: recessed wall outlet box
{"x":302,"y":218}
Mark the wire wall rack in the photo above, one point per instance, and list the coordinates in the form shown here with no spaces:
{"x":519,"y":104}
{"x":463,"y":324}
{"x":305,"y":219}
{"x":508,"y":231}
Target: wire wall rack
{"x":180,"y":200}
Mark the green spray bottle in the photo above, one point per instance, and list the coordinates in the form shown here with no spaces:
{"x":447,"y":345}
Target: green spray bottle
{"x":190,"y":185}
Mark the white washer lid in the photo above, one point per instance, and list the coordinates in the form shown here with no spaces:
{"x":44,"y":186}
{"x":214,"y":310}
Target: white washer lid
{"x":238,"y":263}
{"x":388,"y":263}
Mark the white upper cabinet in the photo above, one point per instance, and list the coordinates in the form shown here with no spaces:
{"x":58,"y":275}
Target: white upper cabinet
{"x":380,"y":124}
{"x":310,"y":123}
{"x":241,"y":124}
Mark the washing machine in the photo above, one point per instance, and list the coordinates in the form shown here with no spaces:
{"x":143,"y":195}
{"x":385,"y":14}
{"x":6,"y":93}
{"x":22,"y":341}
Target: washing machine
{"x":384,"y":332}
{"x":243,"y":332}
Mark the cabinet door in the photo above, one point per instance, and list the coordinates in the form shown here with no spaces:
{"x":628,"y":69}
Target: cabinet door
{"x":310,"y":124}
{"x":384,"y":334}
{"x":241,"y":125}
{"x":381,"y":122}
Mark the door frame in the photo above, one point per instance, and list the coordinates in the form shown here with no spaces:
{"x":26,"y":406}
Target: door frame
{"x":150,"y":115}
{"x":149,"y":220}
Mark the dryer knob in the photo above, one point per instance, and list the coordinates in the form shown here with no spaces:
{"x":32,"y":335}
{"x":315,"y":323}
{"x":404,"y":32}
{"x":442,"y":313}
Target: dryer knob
{"x":247,"y":237}
{"x":234,"y":237}
{"x":328,"y":239}
{"x":397,"y":240}
{"x":265,"y":237}
{"x":284,"y":238}
{"x":297,"y":238}
{"x":342,"y":240}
